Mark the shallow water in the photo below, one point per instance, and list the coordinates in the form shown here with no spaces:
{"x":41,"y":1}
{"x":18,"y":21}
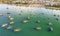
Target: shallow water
{"x":36,"y":14}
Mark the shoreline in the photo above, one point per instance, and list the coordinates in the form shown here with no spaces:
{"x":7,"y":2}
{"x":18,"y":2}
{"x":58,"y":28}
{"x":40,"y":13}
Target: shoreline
{"x":33,"y":5}
{"x":28,"y":5}
{"x":53,"y":8}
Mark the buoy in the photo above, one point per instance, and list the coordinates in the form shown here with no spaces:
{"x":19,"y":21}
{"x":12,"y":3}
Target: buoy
{"x":38,"y":28}
{"x":4,"y":25}
{"x":25,"y":21}
{"x":12,"y":23}
{"x":17,"y":30}
{"x":1,"y":14}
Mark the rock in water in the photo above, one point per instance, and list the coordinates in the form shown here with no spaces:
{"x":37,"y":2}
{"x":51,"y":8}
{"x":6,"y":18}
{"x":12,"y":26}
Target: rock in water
{"x":10,"y":27}
{"x":1,"y":14}
{"x":11,"y":18}
{"x":17,"y":30}
{"x":12,"y":23}
{"x":4,"y":25}
{"x":38,"y":28}
{"x":25,"y":21}
{"x":50,"y":29}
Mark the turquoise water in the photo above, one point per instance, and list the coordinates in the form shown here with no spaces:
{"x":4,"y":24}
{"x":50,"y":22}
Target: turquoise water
{"x":36,"y":14}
